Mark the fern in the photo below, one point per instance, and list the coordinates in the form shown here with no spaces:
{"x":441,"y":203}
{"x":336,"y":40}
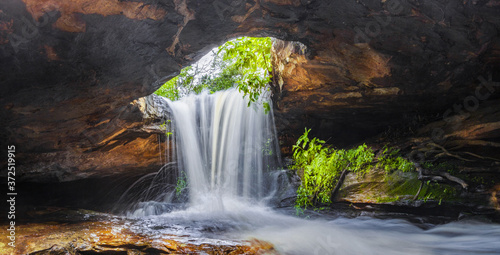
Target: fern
{"x":323,"y":165}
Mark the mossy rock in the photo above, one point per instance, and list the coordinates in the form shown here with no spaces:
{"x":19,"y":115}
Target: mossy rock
{"x":379,"y":187}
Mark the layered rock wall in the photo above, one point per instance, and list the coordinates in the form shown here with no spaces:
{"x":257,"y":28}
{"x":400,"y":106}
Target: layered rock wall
{"x":70,"y":69}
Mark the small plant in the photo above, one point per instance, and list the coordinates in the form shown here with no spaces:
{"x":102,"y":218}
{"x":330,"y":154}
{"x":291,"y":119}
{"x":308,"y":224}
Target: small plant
{"x":267,"y":107}
{"x":163,"y":127}
{"x":267,"y":149}
{"x":181,"y":183}
{"x":166,"y":127}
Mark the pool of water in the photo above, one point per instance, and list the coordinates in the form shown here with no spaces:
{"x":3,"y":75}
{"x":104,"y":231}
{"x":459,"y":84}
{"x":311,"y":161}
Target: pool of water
{"x":327,"y":232}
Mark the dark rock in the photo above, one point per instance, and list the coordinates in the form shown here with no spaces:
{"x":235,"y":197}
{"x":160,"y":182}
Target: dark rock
{"x":71,"y":69}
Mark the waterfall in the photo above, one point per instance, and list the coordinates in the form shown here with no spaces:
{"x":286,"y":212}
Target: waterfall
{"x":226,"y":145}
{"x":226,"y":152}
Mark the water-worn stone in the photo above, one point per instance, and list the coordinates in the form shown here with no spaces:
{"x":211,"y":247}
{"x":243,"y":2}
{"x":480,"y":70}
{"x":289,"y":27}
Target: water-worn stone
{"x":85,"y":233}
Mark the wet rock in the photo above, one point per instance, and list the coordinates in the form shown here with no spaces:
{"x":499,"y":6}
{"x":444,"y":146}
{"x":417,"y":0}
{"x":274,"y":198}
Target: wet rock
{"x":100,"y":234}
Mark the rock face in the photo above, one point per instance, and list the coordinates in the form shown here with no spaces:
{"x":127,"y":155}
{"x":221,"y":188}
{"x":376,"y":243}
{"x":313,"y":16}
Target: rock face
{"x":83,"y":232}
{"x":133,"y":144}
{"x":71,"y":69}
{"x":346,"y":93}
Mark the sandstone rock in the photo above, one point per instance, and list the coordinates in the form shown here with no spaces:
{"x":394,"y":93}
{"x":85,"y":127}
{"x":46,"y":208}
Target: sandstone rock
{"x":70,"y":70}
{"x":101,"y":234}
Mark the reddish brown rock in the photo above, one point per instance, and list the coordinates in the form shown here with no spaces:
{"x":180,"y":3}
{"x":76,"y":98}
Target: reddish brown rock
{"x":70,"y":20}
{"x":71,"y":69}
{"x":110,"y":237}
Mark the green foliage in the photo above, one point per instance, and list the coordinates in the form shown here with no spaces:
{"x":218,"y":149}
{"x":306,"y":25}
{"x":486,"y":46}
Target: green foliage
{"x":169,"y":89}
{"x":267,"y":107}
{"x":181,"y":183}
{"x":320,"y":167}
{"x":438,"y":192}
{"x":360,"y":159}
{"x":252,"y":57}
{"x":225,"y":80}
{"x":163,"y":127}
{"x":440,"y":167}
{"x":387,"y":199}
{"x":391,"y":160}
{"x":267,"y":148}
{"x":166,"y":127}
{"x":244,"y":63}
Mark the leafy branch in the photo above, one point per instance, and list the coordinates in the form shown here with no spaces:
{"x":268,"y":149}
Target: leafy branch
{"x":243,"y":63}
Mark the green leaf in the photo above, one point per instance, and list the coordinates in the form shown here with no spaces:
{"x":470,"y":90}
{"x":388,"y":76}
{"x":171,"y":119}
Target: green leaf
{"x":245,"y":63}
{"x":267,"y":108}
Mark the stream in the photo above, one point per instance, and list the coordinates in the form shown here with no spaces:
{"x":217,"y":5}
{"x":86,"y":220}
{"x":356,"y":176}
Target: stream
{"x":341,"y":235}
{"x":227,"y":178}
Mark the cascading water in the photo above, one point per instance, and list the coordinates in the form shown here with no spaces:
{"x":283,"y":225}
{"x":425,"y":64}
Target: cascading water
{"x":225,"y":145}
{"x":229,"y":154}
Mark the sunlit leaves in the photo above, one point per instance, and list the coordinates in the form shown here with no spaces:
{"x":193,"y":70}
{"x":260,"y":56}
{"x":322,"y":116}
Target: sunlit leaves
{"x":320,"y":167}
{"x":169,"y":89}
{"x":252,"y":57}
{"x":244,"y":63}
{"x":390,"y":160}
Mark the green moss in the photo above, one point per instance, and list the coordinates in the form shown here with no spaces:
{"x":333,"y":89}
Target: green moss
{"x":479,"y":180}
{"x":391,"y":160}
{"x":382,"y":200}
{"x":366,"y":191}
{"x":398,"y":186}
{"x":404,"y":187}
{"x":409,"y":186}
{"x":438,"y":192}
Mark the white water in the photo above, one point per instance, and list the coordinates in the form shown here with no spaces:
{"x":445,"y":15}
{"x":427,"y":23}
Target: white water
{"x":366,"y":235}
{"x":225,"y":149}
{"x":344,"y":236}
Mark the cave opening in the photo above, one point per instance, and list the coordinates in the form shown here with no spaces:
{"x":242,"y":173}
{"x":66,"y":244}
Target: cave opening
{"x":78,"y":106}
{"x":226,"y":97}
